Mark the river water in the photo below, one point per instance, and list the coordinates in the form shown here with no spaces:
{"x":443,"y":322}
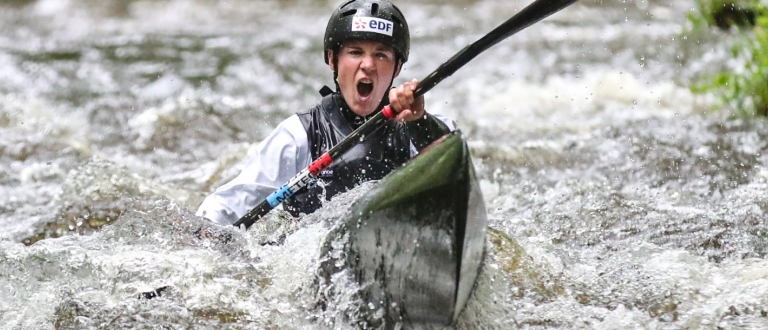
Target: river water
{"x":616,"y":198}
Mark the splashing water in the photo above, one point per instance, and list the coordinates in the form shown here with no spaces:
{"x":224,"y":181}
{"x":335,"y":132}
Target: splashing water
{"x":615,"y":199}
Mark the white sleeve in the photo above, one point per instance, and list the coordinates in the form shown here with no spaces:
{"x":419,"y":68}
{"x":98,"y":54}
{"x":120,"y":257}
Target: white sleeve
{"x":277,"y":159}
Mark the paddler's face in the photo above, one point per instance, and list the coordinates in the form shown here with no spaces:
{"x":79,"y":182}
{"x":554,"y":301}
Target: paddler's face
{"x":365,"y":71}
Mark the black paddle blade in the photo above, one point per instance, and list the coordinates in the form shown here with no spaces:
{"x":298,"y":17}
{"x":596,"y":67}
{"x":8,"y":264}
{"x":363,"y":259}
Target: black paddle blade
{"x":153,"y":294}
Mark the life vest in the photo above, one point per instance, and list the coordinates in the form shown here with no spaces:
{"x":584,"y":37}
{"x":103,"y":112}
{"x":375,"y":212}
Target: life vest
{"x":379,"y":153}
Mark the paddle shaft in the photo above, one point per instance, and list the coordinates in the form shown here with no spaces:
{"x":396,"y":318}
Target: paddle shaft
{"x":531,"y":14}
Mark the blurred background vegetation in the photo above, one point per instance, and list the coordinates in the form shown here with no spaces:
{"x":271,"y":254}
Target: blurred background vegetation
{"x":743,"y":87}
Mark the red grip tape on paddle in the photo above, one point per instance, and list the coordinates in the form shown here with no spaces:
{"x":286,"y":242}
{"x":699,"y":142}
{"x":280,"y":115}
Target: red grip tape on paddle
{"x":388,"y":113}
{"x":320,"y":164}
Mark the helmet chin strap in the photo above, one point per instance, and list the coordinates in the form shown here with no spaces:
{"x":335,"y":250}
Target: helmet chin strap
{"x":335,"y":61}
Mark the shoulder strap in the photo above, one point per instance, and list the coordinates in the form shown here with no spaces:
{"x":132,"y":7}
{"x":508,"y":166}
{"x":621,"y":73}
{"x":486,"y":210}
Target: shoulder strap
{"x":321,"y":125}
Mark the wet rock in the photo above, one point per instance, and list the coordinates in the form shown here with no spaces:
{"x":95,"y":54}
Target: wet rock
{"x":98,"y":193}
{"x":73,"y":314}
{"x":525,"y":274}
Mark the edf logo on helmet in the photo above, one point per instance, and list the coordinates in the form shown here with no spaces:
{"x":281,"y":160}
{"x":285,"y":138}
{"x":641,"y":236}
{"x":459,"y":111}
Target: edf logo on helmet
{"x":372,"y":24}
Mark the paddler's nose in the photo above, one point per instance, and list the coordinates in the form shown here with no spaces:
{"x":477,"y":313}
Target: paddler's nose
{"x":368,"y":64}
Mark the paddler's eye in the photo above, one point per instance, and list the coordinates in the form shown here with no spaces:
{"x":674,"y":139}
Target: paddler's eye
{"x":385,"y":56}
{"x":382,"y":56}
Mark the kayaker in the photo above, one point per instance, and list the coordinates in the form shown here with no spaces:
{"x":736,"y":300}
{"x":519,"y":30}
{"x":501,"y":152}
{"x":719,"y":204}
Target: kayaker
{"x":366,"y":43}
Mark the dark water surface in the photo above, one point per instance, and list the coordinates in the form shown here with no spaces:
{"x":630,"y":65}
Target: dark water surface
{"x":618,"y":201}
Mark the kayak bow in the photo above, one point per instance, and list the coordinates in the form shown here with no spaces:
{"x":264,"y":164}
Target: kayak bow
{"x":416,"y":239}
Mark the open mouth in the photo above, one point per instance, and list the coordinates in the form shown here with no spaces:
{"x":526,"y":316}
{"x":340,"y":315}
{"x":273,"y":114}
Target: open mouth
{"x":364,"y":88}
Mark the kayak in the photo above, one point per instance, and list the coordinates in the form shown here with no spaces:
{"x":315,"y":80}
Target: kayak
{"x":414,"y":242}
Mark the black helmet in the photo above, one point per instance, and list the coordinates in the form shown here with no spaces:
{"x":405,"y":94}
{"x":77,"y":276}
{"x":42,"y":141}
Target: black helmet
{"x":376,"y":20}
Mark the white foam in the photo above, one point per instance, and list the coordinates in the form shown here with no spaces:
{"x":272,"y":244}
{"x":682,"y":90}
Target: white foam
{"x":33,"y":115}
{"x":167,"y":86}
{"x":574,"y":103}
{"x":152,"y":122}
{"x":52,"y":7}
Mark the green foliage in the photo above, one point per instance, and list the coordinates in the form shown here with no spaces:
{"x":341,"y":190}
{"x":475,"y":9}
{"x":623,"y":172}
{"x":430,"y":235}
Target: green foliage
{"x":703,"y":17}
{"x":744,"y":88}
{"x":724,"y":14}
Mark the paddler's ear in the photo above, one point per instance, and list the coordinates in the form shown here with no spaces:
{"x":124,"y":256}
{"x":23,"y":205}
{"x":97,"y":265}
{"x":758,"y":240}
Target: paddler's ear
{"x":330,"y":60}
{"x":397,"y":68}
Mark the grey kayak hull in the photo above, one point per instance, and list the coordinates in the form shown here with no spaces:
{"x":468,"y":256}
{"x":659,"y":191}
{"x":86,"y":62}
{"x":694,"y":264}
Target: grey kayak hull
{"x":415,"y":240}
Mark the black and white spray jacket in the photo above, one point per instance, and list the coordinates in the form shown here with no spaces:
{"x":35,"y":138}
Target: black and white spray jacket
{"x":303,"y":137}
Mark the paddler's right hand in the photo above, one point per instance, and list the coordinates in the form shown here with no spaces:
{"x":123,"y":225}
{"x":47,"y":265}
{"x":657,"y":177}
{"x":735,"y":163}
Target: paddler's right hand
{"x":402,"y":101}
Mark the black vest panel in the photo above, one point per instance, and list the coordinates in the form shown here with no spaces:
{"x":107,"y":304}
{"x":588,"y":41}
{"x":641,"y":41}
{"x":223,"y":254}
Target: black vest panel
{"x":382,"y":151}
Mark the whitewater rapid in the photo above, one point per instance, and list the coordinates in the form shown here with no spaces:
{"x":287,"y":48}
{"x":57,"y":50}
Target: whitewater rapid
{"x":616,"y":198}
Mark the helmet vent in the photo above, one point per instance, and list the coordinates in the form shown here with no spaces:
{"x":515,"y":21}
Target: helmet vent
{"x":374,"y":9}
{"x":347,"y":4}
{"x":346,"y":23}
